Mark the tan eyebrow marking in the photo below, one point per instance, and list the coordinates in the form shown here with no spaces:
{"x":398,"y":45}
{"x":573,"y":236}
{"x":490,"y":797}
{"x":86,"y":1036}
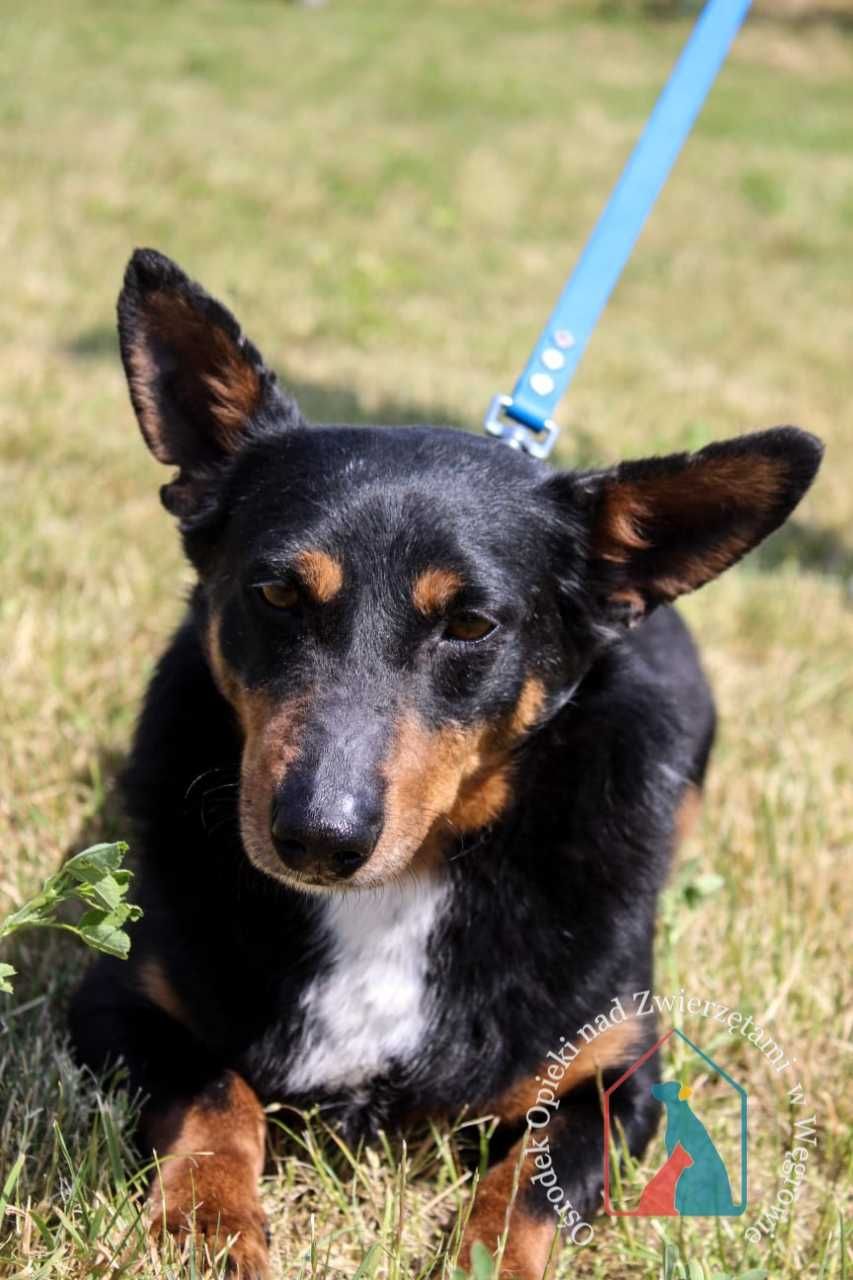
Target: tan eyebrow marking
{"x":434,"y":588}
{"x":321,"y":573}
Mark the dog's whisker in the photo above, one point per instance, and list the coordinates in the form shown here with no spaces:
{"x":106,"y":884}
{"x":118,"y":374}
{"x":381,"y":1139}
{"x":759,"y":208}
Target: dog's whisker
{"x":205,"y":774}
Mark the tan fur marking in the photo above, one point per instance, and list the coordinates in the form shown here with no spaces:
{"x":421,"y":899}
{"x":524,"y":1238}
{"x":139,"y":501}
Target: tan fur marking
{"x":224,"y":678}
{"x":321,"y":573}
{"x":623,"y":513}
{"x":688,"y":812}
{"x":433,"y":590}
{"x":211,"y":1157}
{"x":486,"y":792}
{"x":271,"y":731}
{"x":530,"y":1239}
{"x":632,"y":511}
{"x":445,"y":779}
{"x":425,"y":772}
{"x":141,"y":377}
{"x":154,"y":983}
{"x":454,"y":779}
{"x":207,"y":351}
{"x":695,"y":572}
{"x":529,"y":706}
{"x":482,"y":798}
{"x":271,"y":745}
{"x":610,"y":1049}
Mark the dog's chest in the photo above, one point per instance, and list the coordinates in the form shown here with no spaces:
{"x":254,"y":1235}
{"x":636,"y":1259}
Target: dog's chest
{"x":370,"y":1007}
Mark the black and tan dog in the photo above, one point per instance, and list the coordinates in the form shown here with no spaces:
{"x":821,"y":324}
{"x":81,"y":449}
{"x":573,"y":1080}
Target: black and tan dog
{"x":408,"y":777}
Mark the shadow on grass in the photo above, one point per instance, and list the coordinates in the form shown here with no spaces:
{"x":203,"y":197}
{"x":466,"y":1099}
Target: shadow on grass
{"x":107,"y":822}
{"x":799,"y":19}
{"x":803,"y":19}
{"x":806,"y":547}
{"x":333,"y":404}
{"x":98,"y":343}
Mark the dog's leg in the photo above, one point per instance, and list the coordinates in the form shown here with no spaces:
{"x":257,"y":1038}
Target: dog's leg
{"x":564,"y":1158}
{"x":210,"y":1156}
{"x":202,"y":1120}
{"x":531,"y":1234}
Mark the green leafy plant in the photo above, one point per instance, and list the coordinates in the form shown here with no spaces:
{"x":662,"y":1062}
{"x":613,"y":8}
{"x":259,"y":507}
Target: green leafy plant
{"x":94,"y":877}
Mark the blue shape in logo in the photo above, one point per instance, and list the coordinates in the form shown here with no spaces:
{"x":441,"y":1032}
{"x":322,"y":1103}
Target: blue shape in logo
{"x":702,"y":1189}
{"x":693,"y":1181}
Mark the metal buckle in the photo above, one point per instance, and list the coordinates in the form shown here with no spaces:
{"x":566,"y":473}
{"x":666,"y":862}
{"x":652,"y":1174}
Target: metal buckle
{"x":537,"y":442}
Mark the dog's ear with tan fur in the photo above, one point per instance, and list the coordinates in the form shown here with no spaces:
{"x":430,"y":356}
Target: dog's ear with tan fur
{"x":661,"y":527}
{"x":198,"y":385}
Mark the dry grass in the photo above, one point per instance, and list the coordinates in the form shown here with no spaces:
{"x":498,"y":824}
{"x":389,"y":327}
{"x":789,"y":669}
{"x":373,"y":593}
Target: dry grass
{"x":389,"y":195}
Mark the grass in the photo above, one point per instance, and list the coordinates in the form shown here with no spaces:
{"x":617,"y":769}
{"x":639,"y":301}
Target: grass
{"x":389,"y":195}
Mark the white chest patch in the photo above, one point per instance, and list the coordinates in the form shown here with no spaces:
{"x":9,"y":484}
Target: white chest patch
{"x":372,"y":1006}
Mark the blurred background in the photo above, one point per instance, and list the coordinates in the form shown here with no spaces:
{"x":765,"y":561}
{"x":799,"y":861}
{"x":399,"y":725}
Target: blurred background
{"x":390,"y":195}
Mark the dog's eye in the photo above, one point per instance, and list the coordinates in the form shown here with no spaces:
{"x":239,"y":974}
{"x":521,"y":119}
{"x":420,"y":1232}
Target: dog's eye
{"x":468,"y":626}
{"x":280,"y":595}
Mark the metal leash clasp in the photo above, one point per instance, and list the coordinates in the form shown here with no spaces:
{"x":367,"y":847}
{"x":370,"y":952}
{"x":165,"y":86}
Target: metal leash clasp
{"x":521,"y":420}
{"x":537,"y":441}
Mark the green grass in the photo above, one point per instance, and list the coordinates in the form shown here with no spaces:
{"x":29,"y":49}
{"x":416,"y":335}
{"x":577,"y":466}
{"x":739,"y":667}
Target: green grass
{"x":389,"y":195}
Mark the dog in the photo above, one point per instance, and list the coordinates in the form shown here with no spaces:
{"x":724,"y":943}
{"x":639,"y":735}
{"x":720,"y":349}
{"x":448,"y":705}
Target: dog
{"x":407,"y":780}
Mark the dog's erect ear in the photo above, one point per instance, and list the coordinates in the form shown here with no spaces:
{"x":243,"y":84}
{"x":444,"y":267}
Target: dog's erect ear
{"x":665,"y":526}
{"x":196,"y":383}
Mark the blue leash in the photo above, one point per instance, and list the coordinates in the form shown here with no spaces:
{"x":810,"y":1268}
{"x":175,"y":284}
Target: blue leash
{"x":525,"y":419}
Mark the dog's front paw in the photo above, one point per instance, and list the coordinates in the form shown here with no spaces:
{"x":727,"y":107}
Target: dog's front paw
{"x":526,"y":1252}
{"x":211,"y":1206}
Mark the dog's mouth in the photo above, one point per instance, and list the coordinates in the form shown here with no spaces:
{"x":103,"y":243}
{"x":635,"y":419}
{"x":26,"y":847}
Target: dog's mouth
{"x":302,"y":882}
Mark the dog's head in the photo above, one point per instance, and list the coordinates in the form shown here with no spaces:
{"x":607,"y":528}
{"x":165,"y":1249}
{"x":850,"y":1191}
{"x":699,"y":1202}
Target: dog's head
{"x":392,"y":612}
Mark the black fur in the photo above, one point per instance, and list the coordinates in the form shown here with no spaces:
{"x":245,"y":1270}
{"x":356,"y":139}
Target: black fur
{"x":552,"y":907}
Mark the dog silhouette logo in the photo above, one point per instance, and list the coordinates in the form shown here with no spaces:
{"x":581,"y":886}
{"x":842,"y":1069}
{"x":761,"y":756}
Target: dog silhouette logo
{"x":692,"y":1177}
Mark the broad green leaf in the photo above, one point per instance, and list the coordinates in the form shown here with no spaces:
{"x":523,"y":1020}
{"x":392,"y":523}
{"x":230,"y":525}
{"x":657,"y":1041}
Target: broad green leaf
{"x":482,"y":1263}
{"x":94,"y":877}
{"x":104,"y":934}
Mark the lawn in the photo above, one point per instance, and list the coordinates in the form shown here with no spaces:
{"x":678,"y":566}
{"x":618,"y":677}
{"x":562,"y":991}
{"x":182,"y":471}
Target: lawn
{"x":389,"y":194}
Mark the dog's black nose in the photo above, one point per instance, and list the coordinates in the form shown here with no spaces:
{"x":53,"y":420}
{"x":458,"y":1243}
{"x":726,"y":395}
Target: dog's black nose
{"x":334,"y":839}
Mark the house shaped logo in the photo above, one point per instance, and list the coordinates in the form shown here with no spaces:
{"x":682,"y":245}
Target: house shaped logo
{"x":700,"y":1159}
